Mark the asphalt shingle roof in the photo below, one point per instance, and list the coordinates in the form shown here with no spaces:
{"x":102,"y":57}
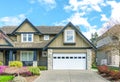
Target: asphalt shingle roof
{"x":42,"y":29}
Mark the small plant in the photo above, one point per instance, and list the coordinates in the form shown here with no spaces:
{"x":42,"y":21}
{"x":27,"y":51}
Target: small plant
{"x":34,"y":70}
{"x":94,"y":65}
{"x":15,"y":64}
{"x":1,"y":63}
{"x":42,"y":67}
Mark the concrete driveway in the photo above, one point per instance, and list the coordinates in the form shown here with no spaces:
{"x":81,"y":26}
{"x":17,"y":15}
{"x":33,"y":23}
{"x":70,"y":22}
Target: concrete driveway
{"x":69,"y":76}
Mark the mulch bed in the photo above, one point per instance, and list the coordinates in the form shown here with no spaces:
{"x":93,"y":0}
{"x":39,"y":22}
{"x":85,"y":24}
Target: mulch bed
{"x":31,"y":78}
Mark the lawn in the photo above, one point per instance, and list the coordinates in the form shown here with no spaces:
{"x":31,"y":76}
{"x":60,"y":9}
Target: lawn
{"x":6,"y":78}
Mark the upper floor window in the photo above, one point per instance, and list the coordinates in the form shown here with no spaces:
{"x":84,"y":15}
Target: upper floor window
{"x":69,"y":36}
{"x":27,"y":37}
{"x":46,"y":37}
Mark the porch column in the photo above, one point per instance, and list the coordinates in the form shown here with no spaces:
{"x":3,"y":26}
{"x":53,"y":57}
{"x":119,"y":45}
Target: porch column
{"x":10,"y":56}
{"x":35,"y":58}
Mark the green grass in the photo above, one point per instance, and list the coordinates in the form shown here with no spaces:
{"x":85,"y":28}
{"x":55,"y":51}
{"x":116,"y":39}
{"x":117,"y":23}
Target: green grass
{"x":6,"y":78}
{"x":113,"y":68}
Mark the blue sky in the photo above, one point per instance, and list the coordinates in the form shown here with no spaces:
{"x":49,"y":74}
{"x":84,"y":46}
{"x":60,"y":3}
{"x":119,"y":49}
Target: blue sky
{"x":90,"y":15}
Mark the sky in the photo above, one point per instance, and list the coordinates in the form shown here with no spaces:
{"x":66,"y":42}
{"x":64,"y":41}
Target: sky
{"x":90,"y":15}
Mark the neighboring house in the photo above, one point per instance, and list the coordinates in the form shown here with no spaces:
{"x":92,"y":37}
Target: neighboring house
{"x":108,"y":46}
{"x":56,"y":47}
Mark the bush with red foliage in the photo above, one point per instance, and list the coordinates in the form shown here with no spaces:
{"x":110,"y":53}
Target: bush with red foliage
{"x":103,"y":69}
{"x":115,"y":75}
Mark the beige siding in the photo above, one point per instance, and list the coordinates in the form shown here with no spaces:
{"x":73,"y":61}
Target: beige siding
{"x":59,"y":41}
{"x":36,"y":39}
{"x":18,"y":38}
{"x":18,"y":56}
{"x":26,"y":28}
{"x":3,"y":42}
{"x":1,"y":56}
{"x":69,"y":51}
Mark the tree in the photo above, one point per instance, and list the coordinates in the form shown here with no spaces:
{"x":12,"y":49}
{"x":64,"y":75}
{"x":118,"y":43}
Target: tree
{"x":94,"y":37}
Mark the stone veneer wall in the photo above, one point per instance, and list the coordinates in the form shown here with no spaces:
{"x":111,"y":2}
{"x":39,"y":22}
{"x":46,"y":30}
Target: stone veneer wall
{"x":50,"y":61}
{"x":89,"y":57}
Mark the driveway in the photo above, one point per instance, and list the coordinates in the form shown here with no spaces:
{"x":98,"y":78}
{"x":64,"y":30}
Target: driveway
{"x":69,"y":76}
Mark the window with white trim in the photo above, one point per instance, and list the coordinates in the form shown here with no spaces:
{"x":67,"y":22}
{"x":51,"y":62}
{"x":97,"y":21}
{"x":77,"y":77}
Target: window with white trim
{"x":26,"y":55}
{"x":27,"y":37}
{"x":46,"y":37}
{"x":69,"y":36}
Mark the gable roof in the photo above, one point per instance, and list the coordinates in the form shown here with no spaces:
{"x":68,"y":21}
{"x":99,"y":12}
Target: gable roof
{"x":76,"y":29}
{"x":112,"y":31}
{"x":7,"y":39}
{"x":26,"y":21}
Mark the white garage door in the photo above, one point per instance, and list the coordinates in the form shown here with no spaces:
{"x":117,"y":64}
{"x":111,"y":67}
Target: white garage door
{"x":69,"y":61}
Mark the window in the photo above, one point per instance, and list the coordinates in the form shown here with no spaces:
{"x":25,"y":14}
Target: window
{"x":27,"y":37}
{"x":26,"y":56}
{"x":69,"y":36}
{"x":46,"y":37}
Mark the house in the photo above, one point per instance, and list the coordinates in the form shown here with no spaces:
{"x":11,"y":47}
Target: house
{"x":108,"y":47}
{"x":57,"y":47}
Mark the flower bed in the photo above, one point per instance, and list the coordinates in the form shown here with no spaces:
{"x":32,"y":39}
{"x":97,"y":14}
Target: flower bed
{"x":30,"y":73}
{"x":2,"y":68}
{"x":111,"y":74}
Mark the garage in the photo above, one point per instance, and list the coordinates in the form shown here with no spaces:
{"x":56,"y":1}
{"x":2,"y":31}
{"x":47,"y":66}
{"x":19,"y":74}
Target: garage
{"x":69,"y":61}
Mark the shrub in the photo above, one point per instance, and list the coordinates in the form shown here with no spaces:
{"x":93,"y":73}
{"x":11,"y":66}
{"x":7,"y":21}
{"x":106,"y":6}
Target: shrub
{"x":34,"y":70}
{"x":103,"y":69}
{"x":1,"y":63}
{"x":42,"y":67}
{"x":15,"y":64}
{"x":94,"y":65}
{"x":19,"y":79}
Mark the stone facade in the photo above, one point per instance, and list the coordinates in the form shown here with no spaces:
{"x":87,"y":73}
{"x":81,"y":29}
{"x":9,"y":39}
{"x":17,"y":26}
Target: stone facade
{"x":50,"y":59}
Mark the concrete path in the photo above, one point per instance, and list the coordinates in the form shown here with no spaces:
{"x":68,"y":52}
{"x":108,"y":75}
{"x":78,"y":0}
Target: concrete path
{"x":69,"y":76}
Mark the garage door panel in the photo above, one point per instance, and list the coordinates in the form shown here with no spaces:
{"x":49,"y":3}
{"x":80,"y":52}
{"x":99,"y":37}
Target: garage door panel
{"x":69,"y":61}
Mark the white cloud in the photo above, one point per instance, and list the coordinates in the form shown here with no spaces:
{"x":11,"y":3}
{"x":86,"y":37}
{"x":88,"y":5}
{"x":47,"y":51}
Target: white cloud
{"x":76,"y":5}
{"x":115,"y":13}
{"x":12,"y":20}
{"x":104,"y":18}
{"x":47,"y":4}
{"x":93,"y":29}
{"x":76,"y":19}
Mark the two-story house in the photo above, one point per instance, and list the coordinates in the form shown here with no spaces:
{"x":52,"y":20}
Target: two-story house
{"x":108,"y":47}
{"x":57,"y":47}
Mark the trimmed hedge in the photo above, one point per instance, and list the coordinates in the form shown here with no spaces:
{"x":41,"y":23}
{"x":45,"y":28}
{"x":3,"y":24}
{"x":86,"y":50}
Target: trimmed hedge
{"x":1,"y":63}
{"x":34,"y":70}
{"x":42,"y":67}
{"x":16,"y":64}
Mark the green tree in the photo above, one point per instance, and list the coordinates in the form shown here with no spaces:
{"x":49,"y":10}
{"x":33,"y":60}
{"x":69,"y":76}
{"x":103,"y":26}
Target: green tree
{"x":94,"y":37}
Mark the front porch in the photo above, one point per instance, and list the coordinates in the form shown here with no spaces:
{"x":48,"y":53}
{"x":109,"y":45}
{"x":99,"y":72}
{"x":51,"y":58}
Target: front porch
{"x":29,"y":57}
